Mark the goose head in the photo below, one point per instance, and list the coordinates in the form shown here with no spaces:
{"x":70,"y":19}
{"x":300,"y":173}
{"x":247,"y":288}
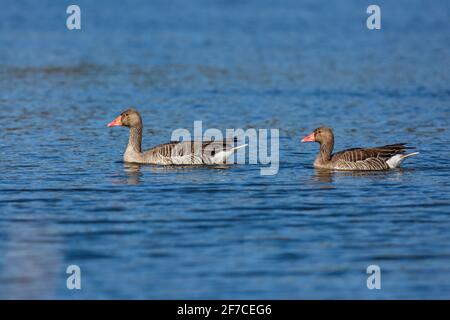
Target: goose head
{"x":320,"y":135}
{"x":129,"y":118}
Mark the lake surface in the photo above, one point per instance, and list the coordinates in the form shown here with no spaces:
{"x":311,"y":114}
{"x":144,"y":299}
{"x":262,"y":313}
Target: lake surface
{"x":153,"y":232}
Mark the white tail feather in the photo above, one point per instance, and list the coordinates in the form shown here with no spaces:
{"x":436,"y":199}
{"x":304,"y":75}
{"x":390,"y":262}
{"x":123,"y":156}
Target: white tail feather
{"x":395,"y":161}
{"x":222,"y":156}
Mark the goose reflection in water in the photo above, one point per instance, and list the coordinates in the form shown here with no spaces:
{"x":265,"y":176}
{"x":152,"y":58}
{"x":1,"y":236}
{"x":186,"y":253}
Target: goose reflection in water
{"x":330,"y":176}
{"x":135,"y":171}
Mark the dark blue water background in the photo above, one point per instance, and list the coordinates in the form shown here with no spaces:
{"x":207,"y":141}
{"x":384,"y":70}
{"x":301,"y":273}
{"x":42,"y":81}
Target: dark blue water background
{"x":152,"y":232}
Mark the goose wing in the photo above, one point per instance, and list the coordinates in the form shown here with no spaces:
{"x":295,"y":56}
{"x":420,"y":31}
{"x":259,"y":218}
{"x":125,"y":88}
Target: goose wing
{"x":368,"y":158}
{"x":187,"y":152}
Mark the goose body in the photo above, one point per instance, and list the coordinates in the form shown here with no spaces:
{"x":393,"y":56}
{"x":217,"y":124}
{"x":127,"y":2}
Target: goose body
{"x":171,"y":153}
{"x":356,"y":159}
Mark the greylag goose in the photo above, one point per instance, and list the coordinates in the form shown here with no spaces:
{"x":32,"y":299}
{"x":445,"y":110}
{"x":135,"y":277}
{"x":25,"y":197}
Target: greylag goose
{"x":172,"y":153}
{"x":367,"y":159}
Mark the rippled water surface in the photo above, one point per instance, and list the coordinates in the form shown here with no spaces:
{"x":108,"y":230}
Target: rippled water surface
{"x":155,"y":232}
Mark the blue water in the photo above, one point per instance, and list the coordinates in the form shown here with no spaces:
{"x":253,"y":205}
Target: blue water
{"x":154,"y":232}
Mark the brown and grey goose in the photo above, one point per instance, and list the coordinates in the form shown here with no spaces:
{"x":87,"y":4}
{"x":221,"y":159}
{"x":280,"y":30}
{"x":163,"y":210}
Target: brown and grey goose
{"x":367,"y":159}
{"x":172,"y":153}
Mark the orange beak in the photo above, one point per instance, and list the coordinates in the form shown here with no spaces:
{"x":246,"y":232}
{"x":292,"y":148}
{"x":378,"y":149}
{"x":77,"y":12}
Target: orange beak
{"x":309,"y":138}
{"x":116,"y":122}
